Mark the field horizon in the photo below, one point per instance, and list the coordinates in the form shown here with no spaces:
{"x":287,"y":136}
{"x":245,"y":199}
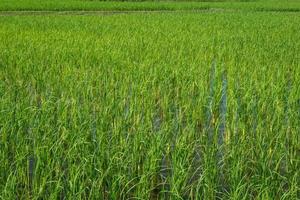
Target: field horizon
{"x":83,"y":5}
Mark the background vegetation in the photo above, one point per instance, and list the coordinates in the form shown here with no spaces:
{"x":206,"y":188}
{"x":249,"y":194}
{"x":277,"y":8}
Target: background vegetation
{"x":84,"y":5}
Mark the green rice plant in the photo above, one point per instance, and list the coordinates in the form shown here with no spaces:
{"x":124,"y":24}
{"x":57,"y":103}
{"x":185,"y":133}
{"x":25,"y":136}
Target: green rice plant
{"x":150,"y":106}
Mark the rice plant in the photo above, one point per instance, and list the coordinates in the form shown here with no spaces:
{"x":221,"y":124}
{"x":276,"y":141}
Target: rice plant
{"x":150,"y":106}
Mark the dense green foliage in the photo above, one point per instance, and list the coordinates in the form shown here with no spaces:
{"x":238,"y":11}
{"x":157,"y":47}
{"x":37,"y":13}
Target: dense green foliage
{"x":269,"y":5}
{"x":150,"y":106}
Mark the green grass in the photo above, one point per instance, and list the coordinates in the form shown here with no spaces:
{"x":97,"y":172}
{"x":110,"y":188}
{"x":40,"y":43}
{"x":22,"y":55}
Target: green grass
{"x":65,"y":5}
{"x":119,"y":107}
